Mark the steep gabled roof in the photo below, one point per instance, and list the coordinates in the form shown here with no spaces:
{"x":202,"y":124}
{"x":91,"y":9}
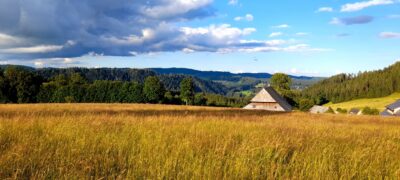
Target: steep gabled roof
{"x":394,"y":106}
{"x":269,"y":95}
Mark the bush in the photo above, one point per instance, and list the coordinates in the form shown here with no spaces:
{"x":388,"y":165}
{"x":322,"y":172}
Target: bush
{"x":370,"y":111}
{"x":341,"y":111}
{"x":330,"y":111}
{"x":305,"y":104}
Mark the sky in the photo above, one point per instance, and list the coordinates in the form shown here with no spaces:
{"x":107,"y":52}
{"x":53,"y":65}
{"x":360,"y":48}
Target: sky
{"x":314,"y":38}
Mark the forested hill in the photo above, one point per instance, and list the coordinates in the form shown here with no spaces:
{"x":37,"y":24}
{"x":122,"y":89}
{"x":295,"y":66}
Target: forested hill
{"x":345,"y":87}
{"x":170,"y":81}
{"x":220,"y":75}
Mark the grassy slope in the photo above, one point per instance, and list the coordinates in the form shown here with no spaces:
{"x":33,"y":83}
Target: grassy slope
{"x":378,"y":103}
{"x":169,"y":142}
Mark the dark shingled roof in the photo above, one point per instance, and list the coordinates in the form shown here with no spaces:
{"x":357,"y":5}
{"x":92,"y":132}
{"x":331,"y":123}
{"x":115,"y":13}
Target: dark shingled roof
{"x":394,"y":106}
{"x":386,"y":113}
{"x":354,"y":111}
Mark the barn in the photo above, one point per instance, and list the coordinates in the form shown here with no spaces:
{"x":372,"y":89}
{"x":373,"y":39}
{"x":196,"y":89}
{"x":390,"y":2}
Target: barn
{"x":392,"y":109}
{"x":270,"y":100}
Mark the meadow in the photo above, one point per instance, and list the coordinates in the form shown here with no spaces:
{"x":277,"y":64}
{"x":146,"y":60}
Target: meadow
{"x":378,"y":103}
{"x":108,"y":141}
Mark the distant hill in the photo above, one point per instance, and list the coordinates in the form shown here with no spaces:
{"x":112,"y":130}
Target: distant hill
{"x":224,"y":83}
{"x":220,"y":75}
{"x":346,"y":87}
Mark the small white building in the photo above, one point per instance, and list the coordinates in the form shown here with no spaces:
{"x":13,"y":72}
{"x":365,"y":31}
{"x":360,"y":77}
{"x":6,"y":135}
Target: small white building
{"x":392,"y":109}
{"x":268,"y":99}
{"x":319,"y":109}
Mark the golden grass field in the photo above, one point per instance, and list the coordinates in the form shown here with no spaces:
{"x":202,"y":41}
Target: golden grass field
{"x":107,"y":141}
{"x":378,"y":103}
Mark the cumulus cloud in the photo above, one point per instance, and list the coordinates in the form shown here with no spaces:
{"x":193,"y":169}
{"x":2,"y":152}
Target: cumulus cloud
{"x":247,"y":17}
{"x":352,"y":20}
{"x":275,"y":34}
{"x":325,"y":9}
{"x":389,"y":35}
{"x":351,"y":7}
{"x":46,"y":28}
{"x":48,"y":32}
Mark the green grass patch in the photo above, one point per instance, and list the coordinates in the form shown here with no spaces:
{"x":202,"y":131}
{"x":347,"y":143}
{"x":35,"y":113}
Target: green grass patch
{"x":378,"y":103}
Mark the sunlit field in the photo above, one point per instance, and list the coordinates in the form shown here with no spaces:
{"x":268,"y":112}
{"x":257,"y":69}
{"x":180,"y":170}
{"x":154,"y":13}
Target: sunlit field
{"x":71,"y":141}
{"x":378,"y":103}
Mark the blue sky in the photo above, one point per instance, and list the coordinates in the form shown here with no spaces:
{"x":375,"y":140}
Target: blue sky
{"x":318,"y":38}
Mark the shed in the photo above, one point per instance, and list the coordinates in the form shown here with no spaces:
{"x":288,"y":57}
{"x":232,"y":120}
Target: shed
{"x":392,"y":109}
{"x":355,"y":111}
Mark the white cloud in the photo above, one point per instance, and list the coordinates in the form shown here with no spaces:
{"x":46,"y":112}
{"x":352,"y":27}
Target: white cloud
{"x":233,"y":2}
{"x":275,"y":34}
{"x":282,"y":26}
{"x":9,"y":41}
{"x":222,"y":32}
{"x":325,"y":9}
{"x":39,"y":63}
{"x":351,"y":7}
{"x":292,"y":48}
{"x":56,"y":62}
{"x":336,"y":21}
{"x":247,"y":17}
{"x":32,"y":49}
{"x":188,"y":50}
{"x":301,"y":34}
{"x":388,"y":35}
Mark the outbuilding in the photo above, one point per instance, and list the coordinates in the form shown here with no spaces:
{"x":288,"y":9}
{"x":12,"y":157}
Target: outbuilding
{"x":355,"y":111}
{"x":392,"y":109}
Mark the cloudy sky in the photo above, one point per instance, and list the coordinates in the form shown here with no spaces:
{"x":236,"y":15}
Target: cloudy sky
{"x":320,"y":37}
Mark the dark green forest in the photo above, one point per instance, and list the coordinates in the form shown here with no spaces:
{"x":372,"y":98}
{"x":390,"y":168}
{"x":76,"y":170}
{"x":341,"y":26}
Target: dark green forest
{"x":345,"y":87}
{"x":19,"y":84}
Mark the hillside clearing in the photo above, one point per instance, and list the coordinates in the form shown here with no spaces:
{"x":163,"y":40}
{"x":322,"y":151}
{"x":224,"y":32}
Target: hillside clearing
{"x":96,"y":141}
{"x":378,"y":103}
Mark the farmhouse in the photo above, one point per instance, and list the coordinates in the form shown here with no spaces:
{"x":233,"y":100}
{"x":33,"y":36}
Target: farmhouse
{"x":392,"y":109}
{"x":268,"y":99}
{"x":355,"y":111}
{"x":319,"y":109}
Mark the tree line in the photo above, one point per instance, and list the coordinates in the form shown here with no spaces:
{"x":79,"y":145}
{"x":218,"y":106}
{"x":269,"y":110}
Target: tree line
{"x":24,"y":85}
{"x":346,"y":87}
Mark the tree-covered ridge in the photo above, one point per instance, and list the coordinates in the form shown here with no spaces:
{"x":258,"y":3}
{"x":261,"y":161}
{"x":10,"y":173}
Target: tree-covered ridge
{"x":170,"y":81}
{"x":345,"y":87}
{"x":25,"y":85}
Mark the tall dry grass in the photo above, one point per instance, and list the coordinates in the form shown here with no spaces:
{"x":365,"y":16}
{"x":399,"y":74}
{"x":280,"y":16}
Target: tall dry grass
{"x":71,"y":141}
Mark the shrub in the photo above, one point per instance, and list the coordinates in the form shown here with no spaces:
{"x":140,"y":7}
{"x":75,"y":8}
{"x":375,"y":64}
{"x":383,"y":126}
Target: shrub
{"x":305,"y":104}
{"x":341,"y":111}
{"x":330,"y":111}
{"x":370,"y":111}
